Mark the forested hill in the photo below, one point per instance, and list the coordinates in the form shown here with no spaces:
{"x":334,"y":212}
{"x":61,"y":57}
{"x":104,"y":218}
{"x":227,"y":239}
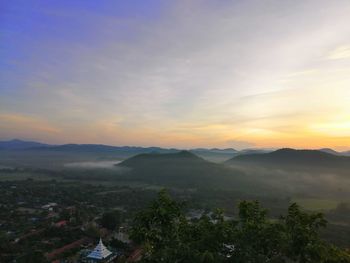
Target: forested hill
{"x":182,"y":169}
{"x":294,"y":158}
{"x":181,"y":158}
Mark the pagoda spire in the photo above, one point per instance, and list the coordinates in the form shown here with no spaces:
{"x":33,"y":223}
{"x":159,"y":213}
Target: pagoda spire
{"x":100,"y":252}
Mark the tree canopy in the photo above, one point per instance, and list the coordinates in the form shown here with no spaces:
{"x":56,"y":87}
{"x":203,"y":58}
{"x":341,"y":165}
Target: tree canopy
{"x":167,"y":235}
{"x":110,"y":220}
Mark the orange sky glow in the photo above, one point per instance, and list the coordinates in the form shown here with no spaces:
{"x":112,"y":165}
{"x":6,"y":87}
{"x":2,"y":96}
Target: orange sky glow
{"x":241,"y":74}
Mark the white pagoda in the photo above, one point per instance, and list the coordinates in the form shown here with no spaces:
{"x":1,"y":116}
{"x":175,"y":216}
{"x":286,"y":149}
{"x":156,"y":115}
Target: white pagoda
{"x":100,"y":254}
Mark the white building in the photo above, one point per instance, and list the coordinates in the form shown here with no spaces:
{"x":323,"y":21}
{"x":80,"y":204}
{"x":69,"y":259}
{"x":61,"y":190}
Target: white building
{"x":100,"y":254}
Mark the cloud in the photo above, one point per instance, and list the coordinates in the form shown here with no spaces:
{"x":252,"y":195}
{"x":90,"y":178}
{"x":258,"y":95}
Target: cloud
{"x":187,"y":73}
{"x":341,"y":52}
{"x":13,"y":125}
{"x":339,"y":128}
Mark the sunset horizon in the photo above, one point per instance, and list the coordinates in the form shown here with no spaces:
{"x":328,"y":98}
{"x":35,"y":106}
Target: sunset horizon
{"x":240,"y":74}
{"x":202,"y":131}
{"x":242,"y":147}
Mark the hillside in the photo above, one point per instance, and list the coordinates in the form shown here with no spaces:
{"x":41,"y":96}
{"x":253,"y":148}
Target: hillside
{"x":290,"y":158}
{"x":182,"y":169}
{"x":180,"y":158}
{"x":331,"y":151}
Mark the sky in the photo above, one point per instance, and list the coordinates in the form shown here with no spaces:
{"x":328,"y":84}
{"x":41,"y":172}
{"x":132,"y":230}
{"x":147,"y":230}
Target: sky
{"x":242,"y":74}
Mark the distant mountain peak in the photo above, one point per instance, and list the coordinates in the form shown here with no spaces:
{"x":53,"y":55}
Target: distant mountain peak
{"x":149,"y":158}
{"x":292,"y":158}
{"x":329,"y":150}
{"x":17,"y":144}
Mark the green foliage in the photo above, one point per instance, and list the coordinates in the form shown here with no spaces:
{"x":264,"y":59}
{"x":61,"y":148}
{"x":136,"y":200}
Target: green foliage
{"x":110,"y":220}
{"x":256,"y":238}
{"x":158,"y":227}
{"x":33,"y":257}
{"x":168,"y":236}
{"x":302,"y":230}
{"x":116,"y":243}
{"x":92,"y":231}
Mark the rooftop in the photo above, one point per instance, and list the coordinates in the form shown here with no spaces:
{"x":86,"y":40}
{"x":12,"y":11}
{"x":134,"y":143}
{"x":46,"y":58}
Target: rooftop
{"x":100,"y":252}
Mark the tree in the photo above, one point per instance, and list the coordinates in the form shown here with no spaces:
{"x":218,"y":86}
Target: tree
{"x":157,"y":228}
{"x":304,"y":244}
{"x":110,"y":220}
{"x":166,"y":235}
{"x":33,"y":257}
{"x":256,"y":238}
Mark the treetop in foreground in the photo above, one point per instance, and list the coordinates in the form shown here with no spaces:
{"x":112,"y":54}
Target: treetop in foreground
{"x":167,"y":235}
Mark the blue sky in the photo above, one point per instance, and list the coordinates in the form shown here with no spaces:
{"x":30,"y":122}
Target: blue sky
{"x":176,"y":73}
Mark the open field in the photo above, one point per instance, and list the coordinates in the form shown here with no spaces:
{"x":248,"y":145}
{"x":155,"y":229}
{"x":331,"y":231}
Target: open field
{"x":315,"y":204}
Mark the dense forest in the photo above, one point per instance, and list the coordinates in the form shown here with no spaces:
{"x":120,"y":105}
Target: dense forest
{"x":167,"y":235}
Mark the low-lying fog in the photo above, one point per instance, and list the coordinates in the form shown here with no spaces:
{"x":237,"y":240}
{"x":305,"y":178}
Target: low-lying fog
{"x":314,"y":183}
{"x":92,"y":164}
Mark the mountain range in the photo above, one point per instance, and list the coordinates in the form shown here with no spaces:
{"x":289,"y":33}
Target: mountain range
{"x":227,"y":153}
{"x":17,"y":144}
{"x":20,"y":147}
{"x":249,"y":171}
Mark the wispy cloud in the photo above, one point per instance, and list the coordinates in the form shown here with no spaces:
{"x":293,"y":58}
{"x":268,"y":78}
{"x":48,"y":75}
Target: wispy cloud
{"x":188,"y":73}
{"x":30,"y":127}
{"x":341,"y":52}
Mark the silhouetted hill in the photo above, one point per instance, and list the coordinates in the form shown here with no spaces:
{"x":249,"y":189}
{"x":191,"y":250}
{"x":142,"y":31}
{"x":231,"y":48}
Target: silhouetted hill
{"x":290,"y":158}
{"x":36,"y":154}
{"x":16,"y":144}
{"x":182,"y":169}
{"x":128,"y":151}
{"x":328,"y":150}
{"x":103,"y":148}
{"x":182,"y":158}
